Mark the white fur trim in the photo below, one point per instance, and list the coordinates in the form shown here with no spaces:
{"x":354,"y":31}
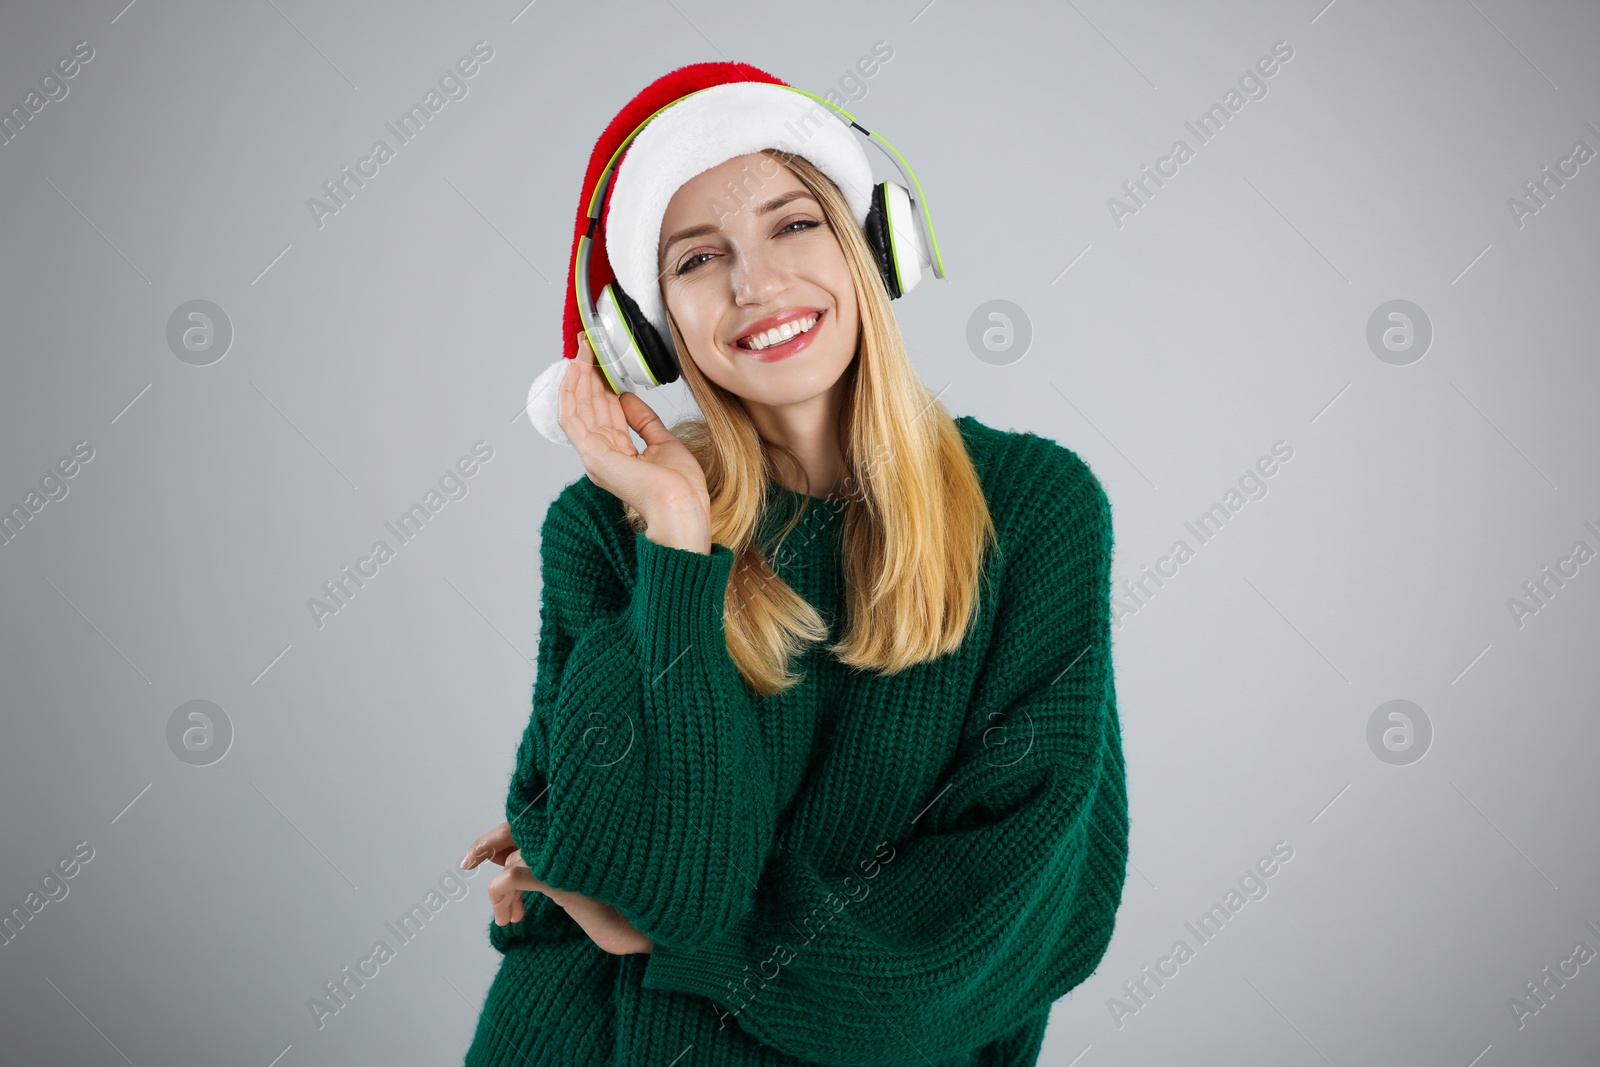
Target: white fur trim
{"x":700,"y":132}
{"x":544,"y":398}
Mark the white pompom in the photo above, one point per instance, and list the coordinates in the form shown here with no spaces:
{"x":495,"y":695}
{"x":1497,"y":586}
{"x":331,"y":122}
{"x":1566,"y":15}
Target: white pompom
{"x":544,"y":398}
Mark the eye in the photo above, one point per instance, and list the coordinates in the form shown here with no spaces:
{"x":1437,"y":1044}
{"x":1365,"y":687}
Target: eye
{"x":689,"y":264}
{"x":685,"y":267}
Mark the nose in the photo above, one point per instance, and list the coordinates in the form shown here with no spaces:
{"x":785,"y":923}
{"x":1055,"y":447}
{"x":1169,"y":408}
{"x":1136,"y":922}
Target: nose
{"x":757,"y":276}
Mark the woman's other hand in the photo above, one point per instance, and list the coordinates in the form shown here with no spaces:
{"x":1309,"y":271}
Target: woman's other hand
{"x":495,"y":845}
{"x":664,"y":483}
{"x":604,"y":924}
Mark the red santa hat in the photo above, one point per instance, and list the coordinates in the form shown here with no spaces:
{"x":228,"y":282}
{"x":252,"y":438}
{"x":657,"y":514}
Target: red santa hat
{"x":709,"y":113}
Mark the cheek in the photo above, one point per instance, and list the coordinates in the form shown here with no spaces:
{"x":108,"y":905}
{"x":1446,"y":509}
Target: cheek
{"x":696,"y":319}
{"x":847,"y":301}
{"x":842,"y":287}
{"x":849,"y":314}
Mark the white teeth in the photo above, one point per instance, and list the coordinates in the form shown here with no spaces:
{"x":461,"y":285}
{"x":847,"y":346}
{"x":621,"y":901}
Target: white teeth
{"x":779,"y":335}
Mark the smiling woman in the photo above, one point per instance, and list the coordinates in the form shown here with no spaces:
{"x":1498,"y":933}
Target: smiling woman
{"x":855,"y":796}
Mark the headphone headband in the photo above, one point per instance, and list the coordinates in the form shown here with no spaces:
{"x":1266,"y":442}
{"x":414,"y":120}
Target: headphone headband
{"x":602,"y":183}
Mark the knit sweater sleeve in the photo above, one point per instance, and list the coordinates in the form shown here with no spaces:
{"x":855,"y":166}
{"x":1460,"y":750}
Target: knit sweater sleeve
{"x":1001,"y":896}
{"x":640,"y":780}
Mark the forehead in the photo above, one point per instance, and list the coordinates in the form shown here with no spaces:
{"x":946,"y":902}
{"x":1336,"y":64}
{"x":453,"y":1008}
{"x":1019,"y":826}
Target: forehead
{"x":713,"y":194}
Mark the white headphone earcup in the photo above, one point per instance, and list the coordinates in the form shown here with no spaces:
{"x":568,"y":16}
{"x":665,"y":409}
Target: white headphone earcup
{"x":621,"y":361}
{"x":912,"y":258}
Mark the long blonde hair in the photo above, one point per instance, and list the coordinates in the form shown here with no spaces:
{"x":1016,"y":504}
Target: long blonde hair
{"x":916,"y":524}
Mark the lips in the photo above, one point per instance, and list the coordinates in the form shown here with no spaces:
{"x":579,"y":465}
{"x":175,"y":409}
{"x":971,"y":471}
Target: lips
{"x":772,"y":322}
{"x":784,"y":349}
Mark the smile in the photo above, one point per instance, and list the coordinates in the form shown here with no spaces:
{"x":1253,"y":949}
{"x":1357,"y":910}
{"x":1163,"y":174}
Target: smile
{"x":782,"y":341}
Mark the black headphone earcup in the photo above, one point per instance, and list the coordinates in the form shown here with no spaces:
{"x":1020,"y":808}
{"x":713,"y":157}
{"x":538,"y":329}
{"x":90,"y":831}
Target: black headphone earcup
{"x":877,"y":234}
{"x":658,"y":353}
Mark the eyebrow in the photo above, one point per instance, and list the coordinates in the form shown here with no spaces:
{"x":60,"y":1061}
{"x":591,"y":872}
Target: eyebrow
{"x":706,"y":228}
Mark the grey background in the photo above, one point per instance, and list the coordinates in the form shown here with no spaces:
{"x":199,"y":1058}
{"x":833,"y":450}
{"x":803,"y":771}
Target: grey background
{"x":369,"y":354}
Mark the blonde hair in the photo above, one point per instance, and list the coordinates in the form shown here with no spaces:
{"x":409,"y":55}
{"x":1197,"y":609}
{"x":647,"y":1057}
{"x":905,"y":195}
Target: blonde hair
{"x":916,"y":524}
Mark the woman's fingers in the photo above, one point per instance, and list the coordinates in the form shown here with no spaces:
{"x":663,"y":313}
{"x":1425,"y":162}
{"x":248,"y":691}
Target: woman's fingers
{"x":605,"y":925}
{"x":506,"y":889}
{"x":608,"y":409}
{"x":600,"y":423}
{"x":575,"y":416}
{"x":493,"y":846}
{"x":593,"y":392}
{"x":644,"y":420}
{"x":567,"y":413}
{"x":597,"y":423}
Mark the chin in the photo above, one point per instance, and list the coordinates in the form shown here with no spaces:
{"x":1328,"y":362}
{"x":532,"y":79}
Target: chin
{"x":777,"y":384}
{"x":770,"y":397}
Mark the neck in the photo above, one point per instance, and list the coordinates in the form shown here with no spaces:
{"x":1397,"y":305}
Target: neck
{"x":809,"y":429}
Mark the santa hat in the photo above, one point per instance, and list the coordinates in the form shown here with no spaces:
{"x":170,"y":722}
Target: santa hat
{"x":736,"y":109}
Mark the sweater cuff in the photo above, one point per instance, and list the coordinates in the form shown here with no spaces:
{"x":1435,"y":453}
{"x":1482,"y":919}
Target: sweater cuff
{"x":710,"y":967}
{"x":678,"y":602}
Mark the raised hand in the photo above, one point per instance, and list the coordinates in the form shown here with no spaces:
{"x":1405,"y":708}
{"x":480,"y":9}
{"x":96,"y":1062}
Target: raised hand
{"x":664,"y":483}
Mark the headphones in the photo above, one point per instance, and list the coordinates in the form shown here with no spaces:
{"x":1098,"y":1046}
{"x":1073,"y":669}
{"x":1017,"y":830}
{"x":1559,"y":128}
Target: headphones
{"x":633,"y":355}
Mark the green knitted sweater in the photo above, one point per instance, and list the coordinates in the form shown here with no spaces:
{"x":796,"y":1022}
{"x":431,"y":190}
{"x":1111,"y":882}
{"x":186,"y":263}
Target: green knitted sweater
{"x":875,"y":870}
